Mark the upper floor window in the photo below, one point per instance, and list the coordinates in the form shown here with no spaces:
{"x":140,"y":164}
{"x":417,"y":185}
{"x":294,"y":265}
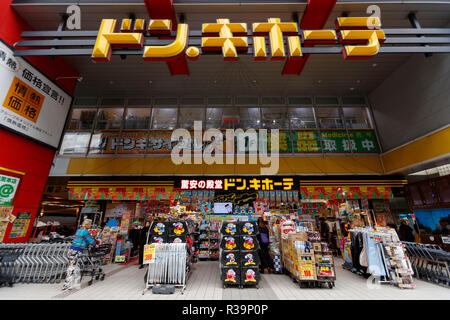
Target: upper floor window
{"x":82,"y":119}
{"x":109,"y":118}
{"x":329,"y":118}
{"x":356,"y":118}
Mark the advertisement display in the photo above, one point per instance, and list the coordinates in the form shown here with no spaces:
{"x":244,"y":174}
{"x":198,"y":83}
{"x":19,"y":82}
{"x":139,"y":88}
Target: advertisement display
{"x":20,"y":226}
{"x":8,"y":188}
{"x":5,"y":212}
{"x":31,"y":104}
{"x":223,"y":207}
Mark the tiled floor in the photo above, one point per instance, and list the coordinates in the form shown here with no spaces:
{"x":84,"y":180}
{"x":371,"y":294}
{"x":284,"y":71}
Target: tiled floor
{"x":127,"y":283}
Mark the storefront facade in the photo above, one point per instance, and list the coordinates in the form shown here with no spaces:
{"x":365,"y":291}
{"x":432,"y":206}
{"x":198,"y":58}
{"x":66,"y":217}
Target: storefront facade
{"x":337,"y":138}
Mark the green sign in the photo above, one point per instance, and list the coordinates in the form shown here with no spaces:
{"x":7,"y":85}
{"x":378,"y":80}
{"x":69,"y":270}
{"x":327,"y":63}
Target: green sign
{"x":337,"y":141}
{"x":284,"y":144}
{"x":306,"y":141}
{"x":8,"y":188}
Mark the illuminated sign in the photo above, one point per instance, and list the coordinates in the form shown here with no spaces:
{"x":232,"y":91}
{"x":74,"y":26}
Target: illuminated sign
{"x":154,"y":40}
{"x":359,"y":42}
{"x":240,"y":184}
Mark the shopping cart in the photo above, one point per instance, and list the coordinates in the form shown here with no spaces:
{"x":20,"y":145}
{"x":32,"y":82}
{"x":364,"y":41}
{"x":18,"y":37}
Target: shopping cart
{"x":429,"y":262}
{"x":91,"y":260}
{"x":8,"y":257}
{"x":39,"y":262}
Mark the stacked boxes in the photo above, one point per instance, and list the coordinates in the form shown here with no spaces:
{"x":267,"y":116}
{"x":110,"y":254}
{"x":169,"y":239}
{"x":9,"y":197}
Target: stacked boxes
{"x":298,"y":256}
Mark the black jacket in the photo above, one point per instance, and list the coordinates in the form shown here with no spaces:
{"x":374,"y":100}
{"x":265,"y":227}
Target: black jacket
{"x":143,"y":236}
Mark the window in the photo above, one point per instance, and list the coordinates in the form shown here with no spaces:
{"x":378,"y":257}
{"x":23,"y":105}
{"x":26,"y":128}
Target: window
{"x":137,"y":118}
{"x":221,"y":118}
{"x":189,"y":115}
{"x":356,"y":118}
{"x":109,"y":118}
{"x":82,"y":119}
{"x":275,"y":118}
{"x":302,"y":118}
{"x":75,"y":143}
{"x":164,"y":118}
{"x":329,"y":118}
{"x":249,"y":118}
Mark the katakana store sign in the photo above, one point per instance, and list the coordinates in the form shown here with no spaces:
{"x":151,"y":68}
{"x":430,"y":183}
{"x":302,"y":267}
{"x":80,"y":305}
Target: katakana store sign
{"x":30,"y":103}
{"x":159,"y":142}
{"x":240,"y":184}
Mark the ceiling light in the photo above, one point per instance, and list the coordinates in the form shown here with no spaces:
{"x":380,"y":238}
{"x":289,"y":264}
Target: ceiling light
{"x":111,"y":82}
{"x":150,"y":81}
{"x":215,"y":81}
{"x":319,"y":81}
{"x":358,"y":81}
{"x":351,"y":89}
{"x":374,"y":65}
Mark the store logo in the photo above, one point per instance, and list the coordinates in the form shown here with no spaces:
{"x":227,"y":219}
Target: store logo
{"x":6,"y":190}
{"x":250,"y":144}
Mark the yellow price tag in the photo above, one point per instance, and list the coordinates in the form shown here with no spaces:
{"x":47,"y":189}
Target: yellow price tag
{"x":149,"y":253}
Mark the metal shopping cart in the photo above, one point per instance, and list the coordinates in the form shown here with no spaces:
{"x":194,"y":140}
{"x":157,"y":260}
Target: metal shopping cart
{"x":91,"y":261}
{"x":429,"y":262}
{"x":8,"y":257}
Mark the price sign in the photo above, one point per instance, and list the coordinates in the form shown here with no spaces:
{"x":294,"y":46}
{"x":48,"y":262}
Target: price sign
{"x":149,"y":253}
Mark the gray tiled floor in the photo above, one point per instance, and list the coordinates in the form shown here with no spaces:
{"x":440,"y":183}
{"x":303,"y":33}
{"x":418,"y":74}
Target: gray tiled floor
{"x":127,"y":283}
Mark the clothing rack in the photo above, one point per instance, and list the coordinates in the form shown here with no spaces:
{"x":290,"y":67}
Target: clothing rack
{"x":384,"y":256}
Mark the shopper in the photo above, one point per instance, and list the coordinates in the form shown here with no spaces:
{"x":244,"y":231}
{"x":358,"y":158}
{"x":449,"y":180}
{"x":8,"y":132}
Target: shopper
{"x":263,"y":238}
{"x":82,"y":240}
{"x":405,"y":232}
{"x":143,"y":242}
{"x":324,"y":229}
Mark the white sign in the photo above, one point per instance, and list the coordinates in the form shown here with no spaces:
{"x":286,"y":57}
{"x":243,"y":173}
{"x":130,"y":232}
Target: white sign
{"x":8,"y":188}
{"x":30,"y":103}
{"x":223,"y":208}
{"x":445,"y":240}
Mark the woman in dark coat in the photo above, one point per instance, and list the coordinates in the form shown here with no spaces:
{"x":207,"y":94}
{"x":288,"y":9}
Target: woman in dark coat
{"x":263,"y":239}
{"x":143,"y":242}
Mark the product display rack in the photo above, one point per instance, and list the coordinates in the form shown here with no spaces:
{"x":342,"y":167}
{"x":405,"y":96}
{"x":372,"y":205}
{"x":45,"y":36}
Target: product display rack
{"x":208,"y":242}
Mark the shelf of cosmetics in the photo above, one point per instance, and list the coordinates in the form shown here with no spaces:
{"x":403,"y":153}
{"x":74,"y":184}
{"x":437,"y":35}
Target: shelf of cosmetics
{"x":209,"y":240}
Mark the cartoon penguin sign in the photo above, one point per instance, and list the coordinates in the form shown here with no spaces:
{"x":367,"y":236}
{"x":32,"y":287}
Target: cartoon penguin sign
{"x":231,"y":228}
{"x":178,"y":228}
{"x":248,"y":243}
{"x":249,"y":260}
{"x":230,"y":259}
{"x":230,"y":243}
{"x":250,"y":275}
{"x":231,"y":276}
{"x":248,"y":228}
{"x":159,"y":228}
